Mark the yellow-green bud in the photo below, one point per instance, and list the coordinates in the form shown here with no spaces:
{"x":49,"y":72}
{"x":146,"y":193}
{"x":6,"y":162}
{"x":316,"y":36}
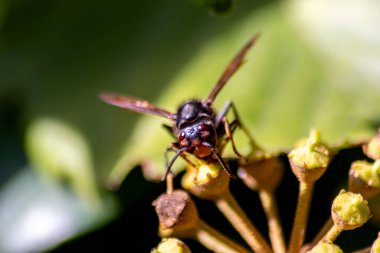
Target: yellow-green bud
{"x":325,"y":247}
{"x":376,"y":245}
{"x":312,"y":153}
{"x":349,"y":210}
{"x":207,"y":172}
{"x":372,"y":148}
{"x":263,"y":173}
{"x":171,"y":245}
{"x":310,"y":158}
{"x":364,"y":178}
{"x":208,"y":181}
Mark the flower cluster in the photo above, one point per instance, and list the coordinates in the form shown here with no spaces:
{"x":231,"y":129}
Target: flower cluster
{"x":262,"y":172}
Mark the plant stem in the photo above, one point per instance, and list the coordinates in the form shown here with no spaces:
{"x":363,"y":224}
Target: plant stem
{"x":322,"y":232}
{"x":300,"y":221}
{"x":275,"y":230}
{"x":215,"y":241}
{"x":365,"y":250}
{"x":332,"y":234}
{"x":169,"y":183}
{"x":207,"y":236}
{"x":239,"y":220}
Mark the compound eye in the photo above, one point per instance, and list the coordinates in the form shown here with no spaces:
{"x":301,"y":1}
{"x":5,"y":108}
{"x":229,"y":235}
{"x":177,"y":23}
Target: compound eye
{"x":183,"y":142}
{"x":205,"y":130}
{"x":203,"y":127}
{"x":181,"y":136}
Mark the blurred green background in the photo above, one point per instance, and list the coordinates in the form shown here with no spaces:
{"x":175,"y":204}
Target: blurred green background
{"x":316,"y":65}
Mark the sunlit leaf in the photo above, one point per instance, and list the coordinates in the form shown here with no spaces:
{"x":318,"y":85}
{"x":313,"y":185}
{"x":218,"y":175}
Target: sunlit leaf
{"x":346,"y":43}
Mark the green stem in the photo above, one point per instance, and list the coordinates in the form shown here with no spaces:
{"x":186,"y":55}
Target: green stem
{"x":215,"y":241}
{"x":275,"y":230}
{"x":239,"y":220}
{"x":207,"y":236}
{"x":332,"y":234}
{"x":302,"y":213}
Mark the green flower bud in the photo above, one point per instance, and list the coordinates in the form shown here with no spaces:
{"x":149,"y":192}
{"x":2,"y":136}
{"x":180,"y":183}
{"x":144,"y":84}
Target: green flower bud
{"x":206,"y":172}
{"x":372,"y":148}
{"x":262,"y":173}
{"x":364,"y":178}
{"x":310,"y":158}
{"x":208,"y":181}
{"x":325,"y":247}
{"x":376,"y":245}
{"x":349,"y":210}
{"x":171,"y":245}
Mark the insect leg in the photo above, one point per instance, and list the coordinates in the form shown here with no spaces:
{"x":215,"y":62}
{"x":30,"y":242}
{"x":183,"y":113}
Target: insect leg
{"x":166,"y":151}
{"x":223,"y":112}
{"x":231,"y":138}
{"x":235,"y":123}
{"x":220,"y":160}
{"x":168,"y":167}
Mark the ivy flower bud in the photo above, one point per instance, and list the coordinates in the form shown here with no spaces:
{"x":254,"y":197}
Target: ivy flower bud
{"x":364,"y":178}
{"x":372,"y":148}
{"x":376,"y":245}
{"x":207,"y":181}
{"x":264,"y":172}
{"x":206,"y":172}
{"x":310,"y":158}
{"x":349,"y":210}
{"x":176,"y":211}
{"x":324,"y":247}
{"x":171,"y":245}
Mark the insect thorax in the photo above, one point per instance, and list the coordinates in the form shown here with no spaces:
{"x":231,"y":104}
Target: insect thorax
{"x":191,"y":111}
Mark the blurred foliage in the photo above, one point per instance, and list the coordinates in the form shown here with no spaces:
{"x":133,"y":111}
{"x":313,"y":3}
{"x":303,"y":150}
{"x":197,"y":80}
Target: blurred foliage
{"x":37,"y":215}
{"x":315,"y":65}
{"x":60,"y":152}
{"x":216,"y":6}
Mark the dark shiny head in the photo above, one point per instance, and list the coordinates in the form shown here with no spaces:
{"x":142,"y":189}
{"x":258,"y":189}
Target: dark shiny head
{"x":195,"y":126}
{"x":195,"y":137}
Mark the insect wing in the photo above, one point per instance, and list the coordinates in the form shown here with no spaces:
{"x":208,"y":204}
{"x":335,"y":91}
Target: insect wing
{"x":231,"y":69}
{"x":134,"y":104}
